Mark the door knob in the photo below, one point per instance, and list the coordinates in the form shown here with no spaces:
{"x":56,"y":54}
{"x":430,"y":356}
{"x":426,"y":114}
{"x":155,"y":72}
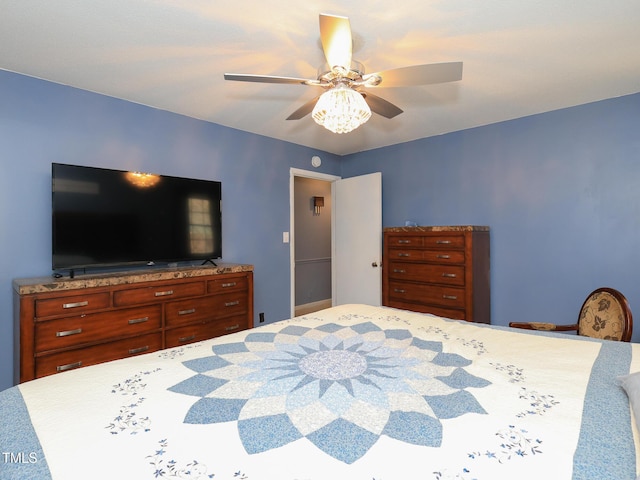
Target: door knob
{"x":374,"y":264}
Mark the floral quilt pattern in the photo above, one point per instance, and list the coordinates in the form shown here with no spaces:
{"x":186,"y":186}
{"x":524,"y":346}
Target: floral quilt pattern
{"x":352,"y":392}
{"x":340,"y":386}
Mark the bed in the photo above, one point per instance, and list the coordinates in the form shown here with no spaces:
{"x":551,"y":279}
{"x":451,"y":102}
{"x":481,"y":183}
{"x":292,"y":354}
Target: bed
{"x":352,"y":392}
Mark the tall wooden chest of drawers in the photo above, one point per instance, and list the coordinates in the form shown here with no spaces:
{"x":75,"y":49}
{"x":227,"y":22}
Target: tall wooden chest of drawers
{"x":439,"y":270}
{"x":62,"y":324}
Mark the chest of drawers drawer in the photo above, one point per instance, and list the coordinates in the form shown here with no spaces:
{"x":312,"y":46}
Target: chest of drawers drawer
{"x":400,"y":240}
{"x":453,"y":313}
{"x":426,"y":272}
{"x":434,"y":256}
{"x":83,"y":329}
{"x":430,"y":294}
{"x":441,"y":240}
{"x":445,"y":241}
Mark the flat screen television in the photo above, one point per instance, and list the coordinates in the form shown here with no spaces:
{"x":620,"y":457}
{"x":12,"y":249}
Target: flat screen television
{"x":106,"y":218}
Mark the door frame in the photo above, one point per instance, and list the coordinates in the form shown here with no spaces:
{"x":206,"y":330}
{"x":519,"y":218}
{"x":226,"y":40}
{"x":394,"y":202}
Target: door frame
{"x":297,"y":172}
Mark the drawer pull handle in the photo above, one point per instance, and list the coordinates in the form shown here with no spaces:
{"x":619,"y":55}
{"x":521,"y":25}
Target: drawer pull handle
{"x":449,"y":297}
{"x":133,"y":321}
{"x":404,"y":242}
{"x":187,"y":311}
{"x":66,"y":333}
{"x":164,"y":294}
{"x":76,"y":304}
{"x":186,"y":339}
{"x":68,"y":366}
{"x":232,"y":304}
{"x":404,"y":254}
{"x":232,"y":327}
{"x":399,"y":270}
{"x":133,"y":351}
{"x":443,"y":242}
{"x":230,"y":284}
{"x":449,"y":275}
{"x":399,"y":290}
{"x":444,"y":256}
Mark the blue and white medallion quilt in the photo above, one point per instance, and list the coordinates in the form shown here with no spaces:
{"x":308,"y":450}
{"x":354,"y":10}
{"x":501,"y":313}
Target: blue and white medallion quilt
{"x":354,"y":392}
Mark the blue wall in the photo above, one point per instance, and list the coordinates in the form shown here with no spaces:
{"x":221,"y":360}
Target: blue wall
{"x":42,"y":122}
{"x":560,"y":191}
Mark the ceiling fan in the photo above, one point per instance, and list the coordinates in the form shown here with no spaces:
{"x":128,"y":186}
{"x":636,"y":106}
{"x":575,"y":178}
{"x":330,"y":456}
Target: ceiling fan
{"x":347,"y":84}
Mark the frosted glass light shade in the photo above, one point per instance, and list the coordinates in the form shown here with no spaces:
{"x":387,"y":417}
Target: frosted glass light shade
{"x":341,"y":109}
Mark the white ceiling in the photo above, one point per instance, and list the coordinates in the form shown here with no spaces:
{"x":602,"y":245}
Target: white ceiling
{"x":520,"y":57}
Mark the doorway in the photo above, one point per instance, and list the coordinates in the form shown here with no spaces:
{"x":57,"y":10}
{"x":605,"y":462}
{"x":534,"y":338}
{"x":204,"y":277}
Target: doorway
{"x":310,"y":241}
{"x":356,"y":237}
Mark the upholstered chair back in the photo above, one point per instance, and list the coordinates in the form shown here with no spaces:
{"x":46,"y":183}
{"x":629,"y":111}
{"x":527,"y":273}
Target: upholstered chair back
{"x":604,"y":315}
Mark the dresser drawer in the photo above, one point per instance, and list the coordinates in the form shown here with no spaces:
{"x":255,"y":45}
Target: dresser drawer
{"x":228,"y":284}
{"x":82,"y":329}
{"x":435,"y":256}
{"x":428,"y":273}
{"x":155,"y":293}
{"x":72,"y":359}
{"x":428,"y":294}
{"x":231,"y":304}
{"x":193,"y":310}
{"x":203,"y":331}
{"x":72,"y":305}
{"x":201,"y":309}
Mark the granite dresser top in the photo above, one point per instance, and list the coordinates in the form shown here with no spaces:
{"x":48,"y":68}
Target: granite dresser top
{"x":25,"y":286}
{"x":448,"y":228}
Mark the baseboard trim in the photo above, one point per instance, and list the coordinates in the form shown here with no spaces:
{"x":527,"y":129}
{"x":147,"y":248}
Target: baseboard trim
{"x":312,"y":307}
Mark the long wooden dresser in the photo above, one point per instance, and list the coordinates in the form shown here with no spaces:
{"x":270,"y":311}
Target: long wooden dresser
{"x":440,"y":270}
{"x":62,"y":324}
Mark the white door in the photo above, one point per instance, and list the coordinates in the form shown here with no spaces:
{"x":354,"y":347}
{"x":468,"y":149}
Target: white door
{"x":357,"y":240}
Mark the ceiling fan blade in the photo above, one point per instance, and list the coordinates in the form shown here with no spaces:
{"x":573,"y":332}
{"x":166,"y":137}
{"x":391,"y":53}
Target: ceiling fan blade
{"x":420,"y":74}
{"x":335,"y":35}
{"x":381,"y":106}
{"x":304,"y":110}
{"x":242,"y":77}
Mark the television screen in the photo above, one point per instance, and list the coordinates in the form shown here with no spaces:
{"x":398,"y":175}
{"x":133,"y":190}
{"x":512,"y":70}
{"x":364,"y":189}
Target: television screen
{"x":104,"y":217}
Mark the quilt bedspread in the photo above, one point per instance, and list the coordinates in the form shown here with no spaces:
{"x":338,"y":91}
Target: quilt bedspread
{"x":354,"y":392}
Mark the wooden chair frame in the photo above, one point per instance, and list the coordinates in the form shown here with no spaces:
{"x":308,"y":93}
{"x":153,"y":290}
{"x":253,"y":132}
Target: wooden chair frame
{"x":627,"y":329}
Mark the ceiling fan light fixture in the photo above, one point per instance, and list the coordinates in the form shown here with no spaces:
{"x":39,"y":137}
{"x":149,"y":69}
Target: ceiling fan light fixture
{"x":341,"y":109}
